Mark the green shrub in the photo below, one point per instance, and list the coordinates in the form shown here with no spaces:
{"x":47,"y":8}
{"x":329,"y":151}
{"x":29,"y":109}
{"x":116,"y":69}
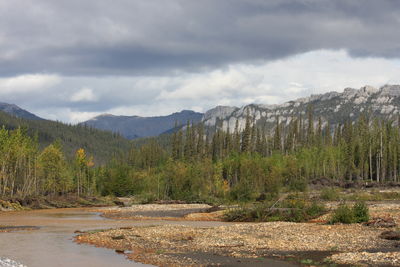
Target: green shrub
{"x":241,"y":193}
{"x":361,"y":212}
{"x":343,"y":214}
{"x":315,"y":210}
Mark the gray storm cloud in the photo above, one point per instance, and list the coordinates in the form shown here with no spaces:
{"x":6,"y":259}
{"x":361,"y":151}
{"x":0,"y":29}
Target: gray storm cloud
{"x":99,"y":37}
{"x":70,"y":60}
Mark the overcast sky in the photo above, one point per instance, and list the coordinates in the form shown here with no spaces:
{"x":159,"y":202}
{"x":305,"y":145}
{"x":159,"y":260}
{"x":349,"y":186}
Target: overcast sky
{"x":71,"y":60}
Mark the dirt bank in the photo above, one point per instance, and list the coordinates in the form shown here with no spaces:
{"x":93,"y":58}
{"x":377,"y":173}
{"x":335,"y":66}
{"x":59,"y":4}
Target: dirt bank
{"x":69,"y":201}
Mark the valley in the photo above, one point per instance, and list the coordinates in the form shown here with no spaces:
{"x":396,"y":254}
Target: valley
{"x":200,"y":133}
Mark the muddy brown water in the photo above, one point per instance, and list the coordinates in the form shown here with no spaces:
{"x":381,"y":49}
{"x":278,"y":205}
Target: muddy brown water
{"x":50,"y":241}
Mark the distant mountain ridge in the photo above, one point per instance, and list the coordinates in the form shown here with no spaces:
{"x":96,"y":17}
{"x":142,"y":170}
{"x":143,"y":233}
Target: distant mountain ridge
{"x":132,"y":127}
{"x":16,"y":111}
{"x":332,"y":107}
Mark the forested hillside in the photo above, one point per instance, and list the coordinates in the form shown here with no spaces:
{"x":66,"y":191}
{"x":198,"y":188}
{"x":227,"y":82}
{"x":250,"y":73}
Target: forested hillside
{"x":101,"y":144}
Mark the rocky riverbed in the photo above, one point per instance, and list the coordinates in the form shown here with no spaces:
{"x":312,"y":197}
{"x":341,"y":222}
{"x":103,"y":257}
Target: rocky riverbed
{"x":188,"y":235}
{"x":175,"y":245}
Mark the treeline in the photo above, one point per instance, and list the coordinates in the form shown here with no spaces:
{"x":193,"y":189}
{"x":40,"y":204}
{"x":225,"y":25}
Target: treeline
{"x":366,"y":150}
{"x":241,"y":165}
{"x":194,"y":165}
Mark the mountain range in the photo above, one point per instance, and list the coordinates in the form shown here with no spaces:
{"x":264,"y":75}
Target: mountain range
{"x":132,"y":127}
{"x":332,"y":107}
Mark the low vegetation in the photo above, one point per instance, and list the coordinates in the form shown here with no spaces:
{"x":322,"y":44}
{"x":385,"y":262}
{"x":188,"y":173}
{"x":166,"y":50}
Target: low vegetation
{"x":373,"y":195}
{"x":289,"y":210}
{"x":330,"y":193}
{"x":346,"y":214}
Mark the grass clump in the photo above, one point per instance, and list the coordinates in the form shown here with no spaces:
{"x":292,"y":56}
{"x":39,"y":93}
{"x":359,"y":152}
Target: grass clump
{"x":346,"y":214}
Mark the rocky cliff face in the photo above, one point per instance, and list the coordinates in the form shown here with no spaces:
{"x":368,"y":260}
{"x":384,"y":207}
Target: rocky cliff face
{"x":133,"y":127}
{"x":333,"y":107}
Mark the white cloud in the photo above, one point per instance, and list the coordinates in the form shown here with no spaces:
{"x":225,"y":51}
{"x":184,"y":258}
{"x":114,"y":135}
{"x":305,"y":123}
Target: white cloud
{"x":265,"y":82}
{"x":283,"y":80}
{"x":66,"y":115}
{"x":76,"y":117}
{"x":28,"y":83}
{"x":84,"y":95}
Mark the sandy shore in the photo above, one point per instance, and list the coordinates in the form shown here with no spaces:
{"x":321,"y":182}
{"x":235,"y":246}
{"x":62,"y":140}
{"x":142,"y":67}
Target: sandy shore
{"x":173,"y":245}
